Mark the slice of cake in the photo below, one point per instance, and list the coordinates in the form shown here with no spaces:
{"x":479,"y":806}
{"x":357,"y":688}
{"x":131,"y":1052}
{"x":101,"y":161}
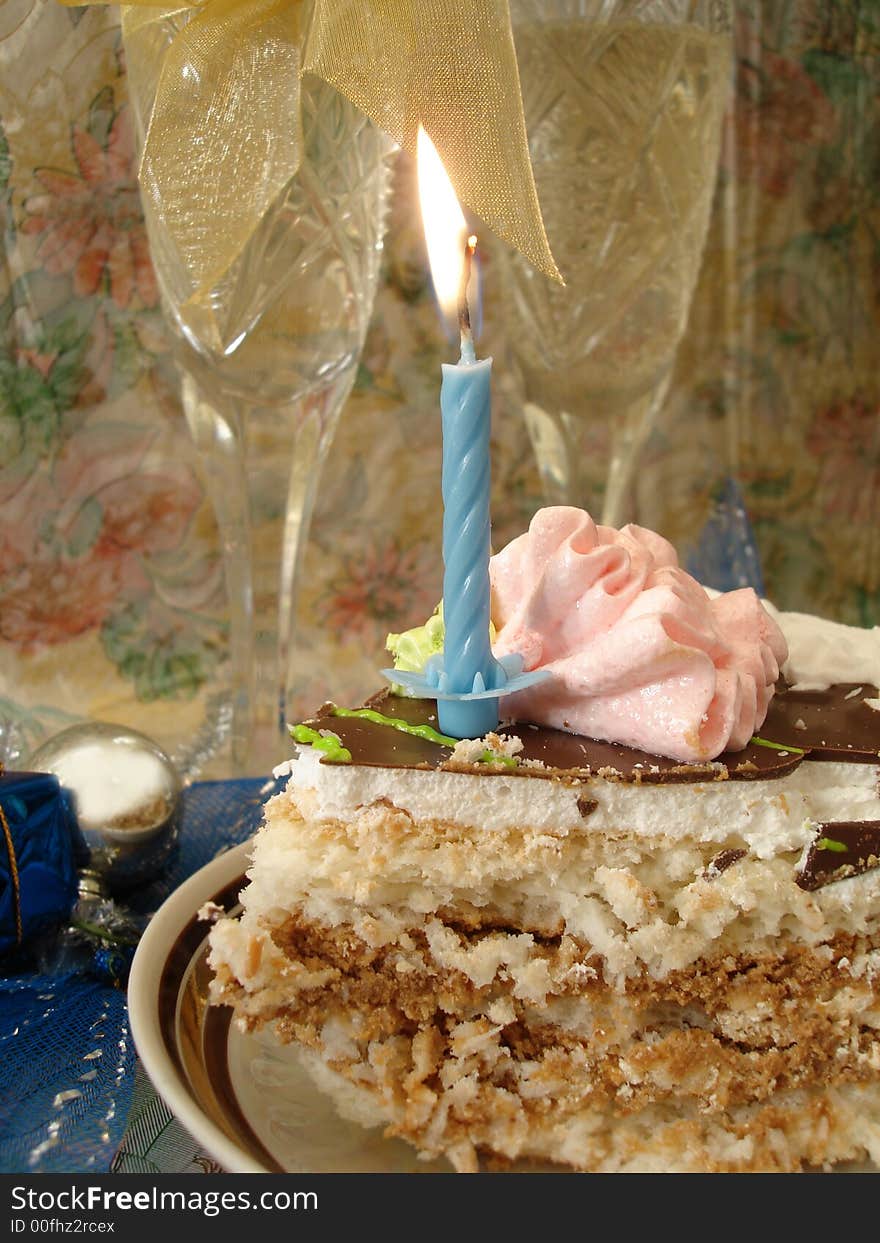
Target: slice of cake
{"x":550,"y":947}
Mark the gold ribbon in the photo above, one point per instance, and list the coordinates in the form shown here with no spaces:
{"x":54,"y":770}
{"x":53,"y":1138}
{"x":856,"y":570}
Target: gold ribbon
{"x":219,"y":82}
{"x":449,"y":65}
{"x":13,"y":875}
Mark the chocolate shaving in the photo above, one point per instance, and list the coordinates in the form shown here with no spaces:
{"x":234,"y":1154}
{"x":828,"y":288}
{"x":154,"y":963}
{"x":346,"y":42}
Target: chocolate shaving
{"x":586,"y":806}
{"x":722,"y":862}
{"x":840,"y":851}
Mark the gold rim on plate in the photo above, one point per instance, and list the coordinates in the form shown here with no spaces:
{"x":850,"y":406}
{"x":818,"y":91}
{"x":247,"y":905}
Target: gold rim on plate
{"x":244,"y":1097}
{"x":181,"y":1040}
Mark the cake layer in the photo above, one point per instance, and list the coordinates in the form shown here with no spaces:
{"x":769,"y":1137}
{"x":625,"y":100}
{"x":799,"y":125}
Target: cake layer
{"x":812,"y":1128}
{"x":608,"y":1000}
{"x":768,"y":817}
{"x":697,"y":1071}
{"x":641,"y":898}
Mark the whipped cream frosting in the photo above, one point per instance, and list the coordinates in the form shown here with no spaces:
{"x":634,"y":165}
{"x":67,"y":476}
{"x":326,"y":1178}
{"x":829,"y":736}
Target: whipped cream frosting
{"x":823,"y":653}
{"x":638,"y":651}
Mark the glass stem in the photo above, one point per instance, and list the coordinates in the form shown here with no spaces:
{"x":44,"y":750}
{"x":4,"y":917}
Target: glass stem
{"x":218,"y":437}
{"x":556,"y":455}
{"x":559,"y":442}
{"x":627,"y":442}
{"x":262,"y":467}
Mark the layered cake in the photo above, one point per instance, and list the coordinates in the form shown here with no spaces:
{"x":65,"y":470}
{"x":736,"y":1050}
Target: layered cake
{"x":635,"y":929}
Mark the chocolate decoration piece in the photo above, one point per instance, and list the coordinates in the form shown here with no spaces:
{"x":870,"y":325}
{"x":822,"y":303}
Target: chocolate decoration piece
{"x":551,"y":754}
{"x":380,"y":745}
{"x":835,"y":723}
{"x":576,"y":755}
{"x":826,"y":862}
{"x":755,"y":761}
{"x":586,"y":806}
{"x":722,"y":862}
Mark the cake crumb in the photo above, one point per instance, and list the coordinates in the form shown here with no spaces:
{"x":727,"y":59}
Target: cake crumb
{"x":631,"y":901}
{"x":470,"y":750}
{"x":502,"y":1011}
{"x":581,"y":973}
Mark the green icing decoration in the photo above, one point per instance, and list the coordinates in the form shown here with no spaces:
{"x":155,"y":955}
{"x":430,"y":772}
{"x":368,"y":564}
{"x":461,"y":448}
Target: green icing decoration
{"x":495,"y":757}
{"x":829,"y":843}
{"x":330,"y":744}
{"x":412,"y":649}
{"x":421,"y":731}
{"x":777,"y":746}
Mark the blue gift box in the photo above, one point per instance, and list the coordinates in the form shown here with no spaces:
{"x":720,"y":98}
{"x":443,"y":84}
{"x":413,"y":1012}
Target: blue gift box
{"x":38,"y":856}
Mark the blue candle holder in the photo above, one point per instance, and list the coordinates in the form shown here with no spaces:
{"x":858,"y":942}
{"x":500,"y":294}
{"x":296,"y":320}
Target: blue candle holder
{"x":473,"y":713}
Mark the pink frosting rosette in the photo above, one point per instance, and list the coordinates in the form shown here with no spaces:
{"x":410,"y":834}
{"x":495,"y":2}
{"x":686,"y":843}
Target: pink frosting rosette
{"x":639,"y":653}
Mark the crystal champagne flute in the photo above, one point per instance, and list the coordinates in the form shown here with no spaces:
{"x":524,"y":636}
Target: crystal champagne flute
{"x":624,"y":103}
{"x":267,"y":362}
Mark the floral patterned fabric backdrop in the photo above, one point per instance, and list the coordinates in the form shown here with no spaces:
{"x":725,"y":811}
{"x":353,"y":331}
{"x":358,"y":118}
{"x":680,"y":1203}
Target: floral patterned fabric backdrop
{"x":111,"y":587}
{"x":777,"y":381}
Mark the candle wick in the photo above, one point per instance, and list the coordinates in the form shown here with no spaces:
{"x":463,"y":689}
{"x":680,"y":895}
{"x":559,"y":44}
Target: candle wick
{"x":464,"y":313}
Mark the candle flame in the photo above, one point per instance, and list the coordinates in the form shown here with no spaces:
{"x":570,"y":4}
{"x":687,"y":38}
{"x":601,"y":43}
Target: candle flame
{"x":445,"y":227}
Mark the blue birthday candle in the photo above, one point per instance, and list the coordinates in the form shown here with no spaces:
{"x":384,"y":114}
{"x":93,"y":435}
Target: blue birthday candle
{"x":466,"y":412}
{"x":465,"y":679}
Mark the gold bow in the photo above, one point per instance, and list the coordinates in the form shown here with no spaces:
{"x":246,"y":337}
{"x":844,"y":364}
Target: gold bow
{"x":218,"y":82}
